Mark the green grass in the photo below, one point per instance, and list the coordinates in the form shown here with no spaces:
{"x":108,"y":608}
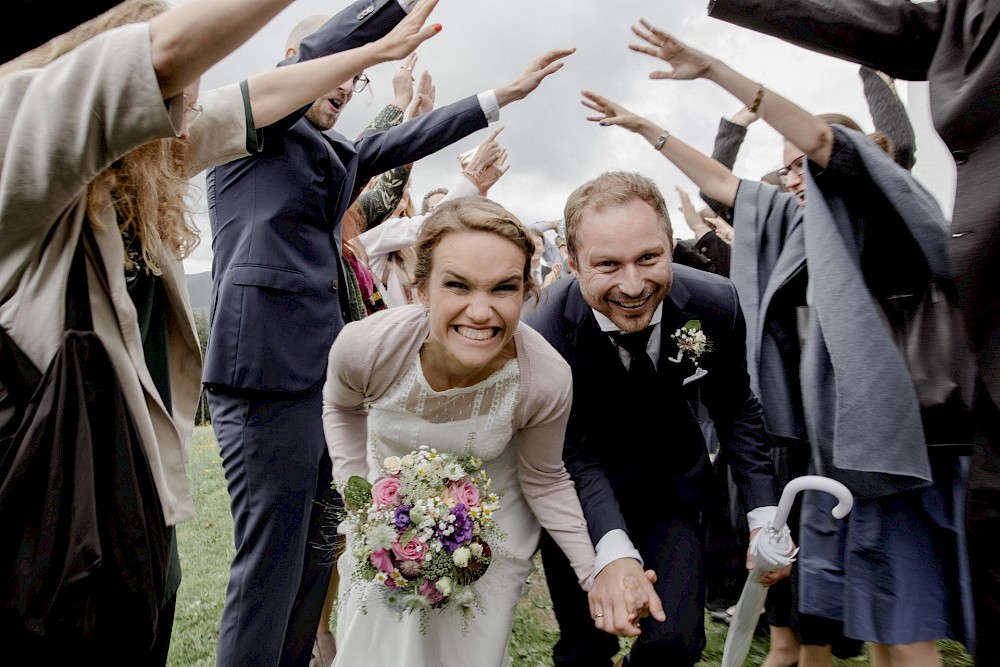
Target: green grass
{"x":206,"y":549}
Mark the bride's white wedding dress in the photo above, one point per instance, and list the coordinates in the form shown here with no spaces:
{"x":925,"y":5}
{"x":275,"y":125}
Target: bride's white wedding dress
{"x":470,"y":420}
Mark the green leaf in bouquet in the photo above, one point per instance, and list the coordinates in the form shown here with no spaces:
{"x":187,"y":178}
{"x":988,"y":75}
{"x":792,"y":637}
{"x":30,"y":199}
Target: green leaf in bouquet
{"x":693,"y":325}
{"x":357,"y":492}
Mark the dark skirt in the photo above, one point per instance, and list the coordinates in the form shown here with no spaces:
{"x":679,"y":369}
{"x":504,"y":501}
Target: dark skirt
{"x":894,"y":571}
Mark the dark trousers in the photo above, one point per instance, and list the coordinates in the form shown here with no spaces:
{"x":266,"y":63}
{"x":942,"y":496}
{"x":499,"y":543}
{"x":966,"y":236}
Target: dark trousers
{"x":675,"y":550}
{"x":278,"y":473}
{"x":982,"y":521}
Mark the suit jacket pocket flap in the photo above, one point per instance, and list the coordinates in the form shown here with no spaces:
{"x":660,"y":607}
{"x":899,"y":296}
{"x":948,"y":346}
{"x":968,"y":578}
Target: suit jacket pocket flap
{"x":268,"y":276}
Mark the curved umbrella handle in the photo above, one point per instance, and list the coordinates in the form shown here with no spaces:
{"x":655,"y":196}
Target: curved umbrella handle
{"x":818,"y":483}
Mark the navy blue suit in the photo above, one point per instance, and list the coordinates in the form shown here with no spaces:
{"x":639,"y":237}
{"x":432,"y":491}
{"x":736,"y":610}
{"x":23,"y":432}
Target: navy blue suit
{"x":278,"y":302}
{"x":639,"y":459}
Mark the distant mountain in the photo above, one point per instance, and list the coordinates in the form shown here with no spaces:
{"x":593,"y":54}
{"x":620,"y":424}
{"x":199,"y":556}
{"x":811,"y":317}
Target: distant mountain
{"x":200,"y":288}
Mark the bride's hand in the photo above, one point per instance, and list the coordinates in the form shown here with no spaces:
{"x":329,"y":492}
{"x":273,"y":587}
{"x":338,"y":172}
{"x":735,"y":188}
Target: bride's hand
{"x":686,"y":63}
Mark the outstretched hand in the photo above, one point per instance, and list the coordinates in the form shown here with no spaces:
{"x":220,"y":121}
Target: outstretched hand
{"x":540,"y":68}
{"x":692,"y":218}
{"x":402,"y":82}
{"x":409,"y":33}
{"x":612,"y":113}
{"x":423,"y":100}
{"x":686,"y":63}
{"x":487,"y":164}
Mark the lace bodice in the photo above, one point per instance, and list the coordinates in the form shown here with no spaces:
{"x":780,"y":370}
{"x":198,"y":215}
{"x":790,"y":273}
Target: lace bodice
{"x":467,"y":420}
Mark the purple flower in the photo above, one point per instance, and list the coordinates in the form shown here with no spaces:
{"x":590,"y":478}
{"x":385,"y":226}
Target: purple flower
{"x":462,"y":532}
{"x":403,"y":517}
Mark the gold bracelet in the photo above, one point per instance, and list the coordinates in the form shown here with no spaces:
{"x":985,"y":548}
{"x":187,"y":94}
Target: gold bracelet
{"x":661,"y":140}
{"x":758,"y":99}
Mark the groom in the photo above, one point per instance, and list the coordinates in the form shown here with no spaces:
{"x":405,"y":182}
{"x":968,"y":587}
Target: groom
{"x":633,"y":444}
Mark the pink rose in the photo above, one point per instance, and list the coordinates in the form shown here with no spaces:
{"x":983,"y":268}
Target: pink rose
{"x":386,"y":492}
{"x":413,"y":550}
{"x":463,"y":492}
{"x":380,"y":558}
{"x":432,"y":594}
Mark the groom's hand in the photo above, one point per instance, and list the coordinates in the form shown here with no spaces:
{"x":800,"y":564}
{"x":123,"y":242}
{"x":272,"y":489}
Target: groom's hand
{"x":622,"y":594}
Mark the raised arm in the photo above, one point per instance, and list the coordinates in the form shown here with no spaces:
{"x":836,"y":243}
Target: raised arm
{"x":711,"y":177}
{"x":889,"y":115}
{"x":810,"y":134}
{"x":728,"y":140}
{"x":898,"y":37}
{"x":191,"y":37}
{"x":278,"y":92}
{"x":525,"y":84}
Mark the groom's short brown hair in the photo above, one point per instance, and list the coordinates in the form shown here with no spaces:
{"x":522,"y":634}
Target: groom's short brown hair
{"x":612,"y":188}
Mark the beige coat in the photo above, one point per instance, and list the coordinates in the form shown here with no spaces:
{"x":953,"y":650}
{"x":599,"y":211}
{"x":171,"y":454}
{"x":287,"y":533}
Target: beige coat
{"x":59,"y":128}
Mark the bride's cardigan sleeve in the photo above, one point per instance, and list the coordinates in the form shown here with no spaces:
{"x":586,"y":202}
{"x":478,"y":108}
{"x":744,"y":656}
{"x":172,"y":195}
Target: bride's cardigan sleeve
{"x":366,"y":359}
{"x":541,"y":417}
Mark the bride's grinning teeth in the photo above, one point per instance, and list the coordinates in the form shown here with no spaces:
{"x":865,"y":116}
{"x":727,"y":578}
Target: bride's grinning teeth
{"x":477,"y":334}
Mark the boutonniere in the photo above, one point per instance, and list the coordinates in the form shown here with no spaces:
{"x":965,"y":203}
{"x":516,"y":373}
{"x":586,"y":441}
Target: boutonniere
{"x":692,"y":341}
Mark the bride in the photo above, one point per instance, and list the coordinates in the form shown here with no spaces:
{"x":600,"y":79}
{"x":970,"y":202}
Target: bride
{"x":460,"y":373}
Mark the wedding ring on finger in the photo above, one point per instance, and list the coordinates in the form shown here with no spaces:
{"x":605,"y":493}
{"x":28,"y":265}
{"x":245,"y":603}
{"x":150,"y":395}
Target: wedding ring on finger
{"x":598,"y":615}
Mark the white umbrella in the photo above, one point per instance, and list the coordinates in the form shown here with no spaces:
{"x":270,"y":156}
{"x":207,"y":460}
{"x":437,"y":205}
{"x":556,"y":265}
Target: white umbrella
{"x":772,"y":548}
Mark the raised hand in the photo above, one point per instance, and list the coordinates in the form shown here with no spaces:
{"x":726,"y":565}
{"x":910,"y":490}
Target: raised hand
{"x":402,"y":82}
{"x":693,"y":219}
{"x":686,"y":63}
{"x":409,"y":33}
{"x":540,"y":68}
{"x":493,"y":172}
{"x":612,"y":113}
{"x":423,"y":100}
{"x":722,"y":228}
{"x":483,"y":168}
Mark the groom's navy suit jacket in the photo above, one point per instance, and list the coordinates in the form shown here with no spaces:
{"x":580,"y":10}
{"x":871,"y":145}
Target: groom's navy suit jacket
{"x":279,"y":296}
{"x":639,"y":459}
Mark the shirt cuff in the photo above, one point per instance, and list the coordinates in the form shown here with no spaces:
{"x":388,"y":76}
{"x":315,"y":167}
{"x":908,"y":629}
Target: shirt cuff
{"x":407,"y":5}
{"x":490,"y":106}
{"x":614,"y":545}
{"x":760,"y":517}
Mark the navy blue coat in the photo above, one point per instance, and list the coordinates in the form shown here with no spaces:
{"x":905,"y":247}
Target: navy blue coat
{"x":633,"y":468}
{"x":278,"y":294}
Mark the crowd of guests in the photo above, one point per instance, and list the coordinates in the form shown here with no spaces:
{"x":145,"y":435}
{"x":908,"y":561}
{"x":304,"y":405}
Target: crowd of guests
{"x":640,"y":464}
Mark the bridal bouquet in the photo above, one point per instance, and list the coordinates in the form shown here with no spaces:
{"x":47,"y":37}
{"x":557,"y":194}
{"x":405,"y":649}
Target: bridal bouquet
{"x":422,"y":531}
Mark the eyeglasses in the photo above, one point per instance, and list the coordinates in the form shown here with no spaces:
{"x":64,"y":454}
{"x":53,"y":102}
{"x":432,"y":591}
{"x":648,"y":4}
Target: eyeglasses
{"x":796,"y":166}
{"x":360,"y":83}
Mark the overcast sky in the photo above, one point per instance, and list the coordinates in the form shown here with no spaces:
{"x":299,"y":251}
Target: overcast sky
{"x":553,"y":149}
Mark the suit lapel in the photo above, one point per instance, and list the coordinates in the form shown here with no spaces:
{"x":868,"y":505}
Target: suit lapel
{"x":675,"y":316}
{"x":587,"y":348}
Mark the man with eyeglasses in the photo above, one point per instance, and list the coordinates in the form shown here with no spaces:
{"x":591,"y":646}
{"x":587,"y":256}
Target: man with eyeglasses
{"x":279,"y":298}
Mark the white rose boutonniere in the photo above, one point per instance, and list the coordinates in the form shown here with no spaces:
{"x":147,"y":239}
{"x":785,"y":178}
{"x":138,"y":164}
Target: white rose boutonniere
{"x":691,"y":341}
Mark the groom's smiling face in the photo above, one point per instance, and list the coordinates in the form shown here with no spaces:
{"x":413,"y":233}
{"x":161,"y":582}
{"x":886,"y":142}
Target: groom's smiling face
{"x":624,"y":262}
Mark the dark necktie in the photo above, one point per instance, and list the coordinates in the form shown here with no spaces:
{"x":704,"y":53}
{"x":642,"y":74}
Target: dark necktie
{"x":641,"y":368}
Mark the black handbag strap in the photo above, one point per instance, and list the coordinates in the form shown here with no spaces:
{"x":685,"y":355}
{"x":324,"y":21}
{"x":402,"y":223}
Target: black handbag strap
{"x":78,"y":314}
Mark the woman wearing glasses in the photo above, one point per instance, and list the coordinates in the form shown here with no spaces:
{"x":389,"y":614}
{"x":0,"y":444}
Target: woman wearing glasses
{"x":813,"y":282}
